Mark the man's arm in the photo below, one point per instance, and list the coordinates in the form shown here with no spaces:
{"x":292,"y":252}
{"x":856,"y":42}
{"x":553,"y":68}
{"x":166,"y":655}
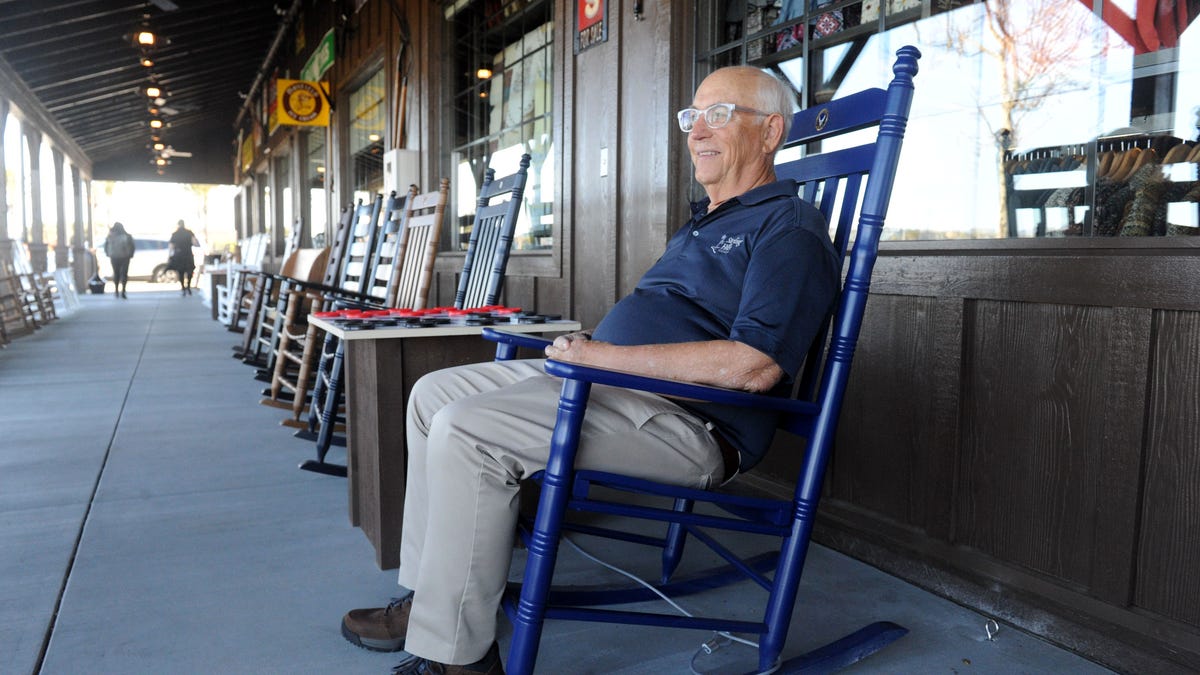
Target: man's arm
{"x":721,"y":363}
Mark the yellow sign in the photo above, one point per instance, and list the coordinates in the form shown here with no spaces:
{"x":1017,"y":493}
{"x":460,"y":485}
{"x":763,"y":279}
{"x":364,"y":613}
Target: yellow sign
{"x":247,"y":153}
{"x":301,"y":103}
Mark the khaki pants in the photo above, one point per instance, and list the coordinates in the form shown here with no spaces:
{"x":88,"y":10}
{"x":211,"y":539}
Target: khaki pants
{"x":473,"y":433}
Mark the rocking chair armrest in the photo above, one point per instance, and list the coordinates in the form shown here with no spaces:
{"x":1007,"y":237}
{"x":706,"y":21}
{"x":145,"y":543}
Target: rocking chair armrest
{"x":364,"y":302}
{"x":678,"y":389}
{"x":333,"y":292}
{"x":516,"y":339}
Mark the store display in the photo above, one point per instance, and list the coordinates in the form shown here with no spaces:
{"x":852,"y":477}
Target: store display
{"x":1143,"y":185}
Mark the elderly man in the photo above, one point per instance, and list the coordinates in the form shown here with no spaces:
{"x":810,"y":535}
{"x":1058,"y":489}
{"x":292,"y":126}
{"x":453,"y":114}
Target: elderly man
{"x":734,"y":301}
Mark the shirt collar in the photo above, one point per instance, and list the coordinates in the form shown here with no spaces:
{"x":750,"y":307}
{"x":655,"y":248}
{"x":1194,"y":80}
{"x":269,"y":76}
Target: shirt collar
{"x":780,"y":188}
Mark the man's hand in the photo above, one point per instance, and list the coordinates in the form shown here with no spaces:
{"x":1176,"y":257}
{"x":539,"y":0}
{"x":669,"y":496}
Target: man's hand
{"x":569,"y":347}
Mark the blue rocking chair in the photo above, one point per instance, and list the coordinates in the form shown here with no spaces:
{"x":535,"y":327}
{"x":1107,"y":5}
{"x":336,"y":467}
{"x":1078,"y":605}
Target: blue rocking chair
{"x":834,"y":182}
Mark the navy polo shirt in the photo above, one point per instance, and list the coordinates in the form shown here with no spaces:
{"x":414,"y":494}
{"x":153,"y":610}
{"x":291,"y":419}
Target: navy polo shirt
{"x":760,"y":270}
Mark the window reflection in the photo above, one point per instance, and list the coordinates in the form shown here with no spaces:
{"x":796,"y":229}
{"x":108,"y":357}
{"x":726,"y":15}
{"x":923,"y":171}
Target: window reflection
{"x":314,"y":174}
{"x":367,"y":125}
{"x":1037,"y":118}
{"x":502,"y":107}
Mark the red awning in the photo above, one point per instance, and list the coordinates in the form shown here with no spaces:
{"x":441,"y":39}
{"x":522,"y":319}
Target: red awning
{"x":1158,"y":23}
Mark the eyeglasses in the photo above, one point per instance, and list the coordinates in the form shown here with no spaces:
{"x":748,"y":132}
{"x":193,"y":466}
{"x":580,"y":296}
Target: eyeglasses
{"x":715,"y":116}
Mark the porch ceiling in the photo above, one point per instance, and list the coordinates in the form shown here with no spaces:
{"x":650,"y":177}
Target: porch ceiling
{"x":78,"y":59}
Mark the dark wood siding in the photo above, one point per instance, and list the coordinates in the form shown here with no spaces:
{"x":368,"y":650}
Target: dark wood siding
{"x":1170,"y":515}
{"x":1026,"y":418}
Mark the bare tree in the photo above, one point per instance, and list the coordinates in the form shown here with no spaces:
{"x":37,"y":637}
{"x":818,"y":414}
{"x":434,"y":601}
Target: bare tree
{"x":1038,"y":48}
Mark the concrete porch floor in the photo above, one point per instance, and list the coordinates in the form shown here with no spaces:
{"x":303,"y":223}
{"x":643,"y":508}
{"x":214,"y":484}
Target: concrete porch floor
{"x":153,"y":520}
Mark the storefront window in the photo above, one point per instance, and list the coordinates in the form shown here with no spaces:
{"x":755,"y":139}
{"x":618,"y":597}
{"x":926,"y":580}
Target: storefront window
{"x":283,"y":181}
{"x":266,"y":208}
{"x":1032,"y":118}
{"x":367,"y":125}
{"x":314,"y":176}
{"x":502,"y":109}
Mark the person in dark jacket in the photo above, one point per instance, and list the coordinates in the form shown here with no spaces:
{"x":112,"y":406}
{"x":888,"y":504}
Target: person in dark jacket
{"x":181,"y":259}
{"x":119,"y":247}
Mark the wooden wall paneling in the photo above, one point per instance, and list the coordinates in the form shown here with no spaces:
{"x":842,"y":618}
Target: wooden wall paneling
{"x":424,"y":88}
{"x":1169,"y":546}
{"x":1033,"y":393}
{"x":519,"y":292}
{"x":940,"y":461}
{"x":679,"y":38}
{"x":552,"y":297}
{"x":895,"y":449}
{"x":1103,"y":280}
{"x":1076,"y":450}
{"x":443,"y":286}
{"x":594,"y":119}
{"x":369,"y":28}
{"x":643,"y":147}
{"x":564,"y":141}
{"x":1120,"y":451}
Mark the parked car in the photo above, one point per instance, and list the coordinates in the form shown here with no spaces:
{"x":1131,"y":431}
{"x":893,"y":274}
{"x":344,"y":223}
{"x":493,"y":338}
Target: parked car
{"x":149,"y":260}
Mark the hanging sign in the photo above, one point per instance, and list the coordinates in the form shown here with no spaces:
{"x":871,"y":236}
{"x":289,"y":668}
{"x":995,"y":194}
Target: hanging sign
{"x":321,"y":58}
{"x":301,"y":103}
{"x":591,"y":23}
{"x":247,"y":153}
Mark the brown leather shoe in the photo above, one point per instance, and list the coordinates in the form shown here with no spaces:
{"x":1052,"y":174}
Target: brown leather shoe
{"x":380,"y":629}
{"x":489,"y":665}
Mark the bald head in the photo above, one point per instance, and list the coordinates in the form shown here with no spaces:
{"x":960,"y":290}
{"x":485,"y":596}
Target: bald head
{"x":770,"y":93}
{"x":735,"y":153}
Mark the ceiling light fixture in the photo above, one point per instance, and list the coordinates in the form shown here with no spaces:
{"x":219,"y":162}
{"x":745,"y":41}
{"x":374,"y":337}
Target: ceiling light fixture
{"x":147,"y":61}
{"x":145,"y":38}
{"x":153,"y":91}
{"x":483,"y":73}
{"x":156,"y":124}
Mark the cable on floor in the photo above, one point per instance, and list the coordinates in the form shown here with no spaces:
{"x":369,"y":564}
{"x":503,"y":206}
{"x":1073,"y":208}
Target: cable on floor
{"x":720,"y":638}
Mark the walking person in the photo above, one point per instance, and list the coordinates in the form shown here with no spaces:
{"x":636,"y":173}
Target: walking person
{"x":181,"y":259}
{"x":119,"y":247}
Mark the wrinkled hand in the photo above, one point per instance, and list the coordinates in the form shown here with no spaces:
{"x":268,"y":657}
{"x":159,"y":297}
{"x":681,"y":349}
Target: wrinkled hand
{"x":569,"y":347}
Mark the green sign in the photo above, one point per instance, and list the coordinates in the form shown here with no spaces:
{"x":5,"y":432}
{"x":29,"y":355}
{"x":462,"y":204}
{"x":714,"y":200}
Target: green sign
{"x":321,"y":59}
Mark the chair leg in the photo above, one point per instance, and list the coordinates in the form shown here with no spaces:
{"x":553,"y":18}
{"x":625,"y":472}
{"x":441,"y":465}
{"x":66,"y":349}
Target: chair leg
{"x":530,"y":612}
{"x":280,"y":371}
{"x":328,"y":413}
{"x":674,"y":542}
{"x":333,"y":396}
{"x":302,"y":377}
{"x":250,"y":329}
{"x":320,"y":387}
{"x":316,"y":398}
